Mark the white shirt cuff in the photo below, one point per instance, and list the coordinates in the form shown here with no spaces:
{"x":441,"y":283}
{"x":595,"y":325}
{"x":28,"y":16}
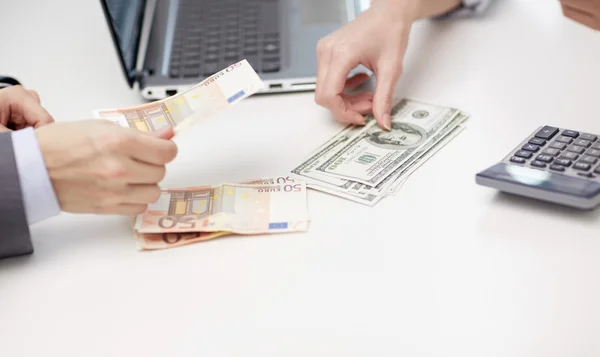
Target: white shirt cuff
{"x":37,"y":191}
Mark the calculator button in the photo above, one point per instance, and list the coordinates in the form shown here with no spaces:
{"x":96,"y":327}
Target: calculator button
{"x":538,"y":163}
{"x":588,"y":159}
{"x":537,"y":141}
{"x":531,"y":147}
{"x":586,"y":174}
{"x":564,"y":139}
{"x":523,"y":154}
{"x":544,"y":158}
{"x":550,"y":151}
{"x":570,"y":133}
{"x":563,"y":162}
{"x":569,"y":155}
{"x":557,"y":145}
{"x":589,"y":137}
{"x":518,"y":160}
{"x":597,"y":171}
{"x":576,"y":149}
{"x":546,"y":132}
{"x":596,"y":146}
{"x":593,"y":152}
{"x":585,"y":143}
{"x":557,"y":167}
{"x":582,"y":166}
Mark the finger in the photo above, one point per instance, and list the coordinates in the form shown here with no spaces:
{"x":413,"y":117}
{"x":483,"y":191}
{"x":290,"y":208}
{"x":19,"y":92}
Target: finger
{"x":344,"y":113}
{"x":387,"y":74}
{"x":361,"y":103}
{"x":167,"y":133}
{"x":4,"y":129}
{"x":125,"y":209}
{"x":33,"y":113}
{"x":142,"y":173}
{"x":362,"y":107}
{"x":25,"y":108}
{"x":142,"y":194}
{"x":148,"y":148}
{"x":333,"y":89}
{"x":356,"y":81}
{"x":587,"y":6}
{"x":323,"y":58}
{"x":34,"y":95}
{"x":581,"y":17}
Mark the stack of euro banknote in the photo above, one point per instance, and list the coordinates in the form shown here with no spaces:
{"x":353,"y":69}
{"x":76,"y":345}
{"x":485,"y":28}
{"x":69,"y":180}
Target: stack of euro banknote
{"x":363,"y":164}
{"x":194,"y":214}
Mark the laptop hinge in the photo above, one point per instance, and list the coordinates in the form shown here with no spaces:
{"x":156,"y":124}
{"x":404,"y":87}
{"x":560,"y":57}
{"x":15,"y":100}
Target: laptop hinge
{"x":139,"y":76}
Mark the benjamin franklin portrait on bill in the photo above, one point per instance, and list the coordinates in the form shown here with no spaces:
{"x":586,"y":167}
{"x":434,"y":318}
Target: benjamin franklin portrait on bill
{"x":401,"y":136}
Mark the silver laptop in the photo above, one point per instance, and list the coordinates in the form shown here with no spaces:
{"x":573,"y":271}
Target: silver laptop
{"x":167,"y":46}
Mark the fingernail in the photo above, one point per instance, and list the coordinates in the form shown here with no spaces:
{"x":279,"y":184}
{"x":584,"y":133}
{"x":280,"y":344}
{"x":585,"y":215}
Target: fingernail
{"x":387,"y":122}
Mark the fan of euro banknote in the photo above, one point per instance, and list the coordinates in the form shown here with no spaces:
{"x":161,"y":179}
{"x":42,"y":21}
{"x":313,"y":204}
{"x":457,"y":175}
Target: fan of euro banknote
{"x":361,"y":164}
{"x":194,"y":214}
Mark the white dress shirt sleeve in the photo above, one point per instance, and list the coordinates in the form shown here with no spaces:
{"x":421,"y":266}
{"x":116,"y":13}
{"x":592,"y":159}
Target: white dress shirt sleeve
{"x":38,"y":194}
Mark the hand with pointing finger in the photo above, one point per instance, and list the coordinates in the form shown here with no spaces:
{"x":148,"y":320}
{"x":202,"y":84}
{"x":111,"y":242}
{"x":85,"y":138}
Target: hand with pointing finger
{"x":376,"y":39}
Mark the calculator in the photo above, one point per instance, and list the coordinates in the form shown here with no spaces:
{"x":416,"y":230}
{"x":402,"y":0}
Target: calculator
{"x":552,"y":164}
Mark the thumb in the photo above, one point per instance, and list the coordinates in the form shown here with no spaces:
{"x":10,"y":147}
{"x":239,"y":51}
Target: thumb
{"x":167,"y":133}
{"x":387,"y":75}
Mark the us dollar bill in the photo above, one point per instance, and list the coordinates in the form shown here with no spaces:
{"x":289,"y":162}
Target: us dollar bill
{"x":438,"y":141}
{"x":316,"y":179}
{"x":373,"y":153}
{"x":370,"y":196}
{"x":438,"y":125}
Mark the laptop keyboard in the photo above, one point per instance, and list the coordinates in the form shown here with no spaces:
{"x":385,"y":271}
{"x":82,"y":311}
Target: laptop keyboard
{"x":213,"y":34}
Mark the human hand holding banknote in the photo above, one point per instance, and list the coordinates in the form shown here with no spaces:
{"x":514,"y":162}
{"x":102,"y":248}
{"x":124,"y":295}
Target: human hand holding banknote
{"x":98,"y":167}
{"x":216,"y":93}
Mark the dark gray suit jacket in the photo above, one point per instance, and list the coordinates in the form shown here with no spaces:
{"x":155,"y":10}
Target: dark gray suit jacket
{"x":14,"y":231}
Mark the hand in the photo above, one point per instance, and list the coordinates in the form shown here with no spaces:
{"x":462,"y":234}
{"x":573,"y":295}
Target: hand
{"x":377,"y":39}
{"x":99,"y":167}
{"x":21,"y":108}
{"x":586,"y":12}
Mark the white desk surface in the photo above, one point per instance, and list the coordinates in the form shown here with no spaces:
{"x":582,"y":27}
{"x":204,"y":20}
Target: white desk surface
{"x":446,"y":268}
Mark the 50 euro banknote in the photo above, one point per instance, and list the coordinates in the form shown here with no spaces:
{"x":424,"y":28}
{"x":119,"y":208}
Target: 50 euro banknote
{"x":214,"y":94}
{"x":239,"y":208}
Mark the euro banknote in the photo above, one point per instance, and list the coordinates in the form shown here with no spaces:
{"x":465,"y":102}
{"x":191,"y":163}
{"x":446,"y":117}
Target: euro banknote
{"x":155,"y":241}
{"x":232,"y":207}
{"x":214,"y":94}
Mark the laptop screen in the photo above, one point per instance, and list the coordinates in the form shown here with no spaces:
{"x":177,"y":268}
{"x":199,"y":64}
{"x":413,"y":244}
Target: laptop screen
{"x":125,"y":19}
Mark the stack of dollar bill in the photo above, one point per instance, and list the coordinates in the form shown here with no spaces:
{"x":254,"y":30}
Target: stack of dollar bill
{"x":194,"y":214}
{"x":366,"y":163}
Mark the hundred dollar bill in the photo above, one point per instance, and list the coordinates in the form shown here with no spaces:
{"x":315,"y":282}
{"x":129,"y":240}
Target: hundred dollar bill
{"x":153,"y":241}
{"x":372,"y":198}
{"x":438,"y":140}
{"x":212,"y":95}
{"x":236,"y":208}
{"x":373,"y":154}
{"x":307,"y":170}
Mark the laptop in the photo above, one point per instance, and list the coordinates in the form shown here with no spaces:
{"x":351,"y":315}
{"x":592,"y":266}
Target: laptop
{"x":167,"y":46}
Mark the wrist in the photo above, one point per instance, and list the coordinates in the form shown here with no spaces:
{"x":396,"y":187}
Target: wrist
{"x":407,"y":11}
{"x":413,"y":10}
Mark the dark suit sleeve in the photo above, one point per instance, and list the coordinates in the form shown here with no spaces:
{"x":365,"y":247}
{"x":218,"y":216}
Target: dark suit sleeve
{"x":14,"y":230}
